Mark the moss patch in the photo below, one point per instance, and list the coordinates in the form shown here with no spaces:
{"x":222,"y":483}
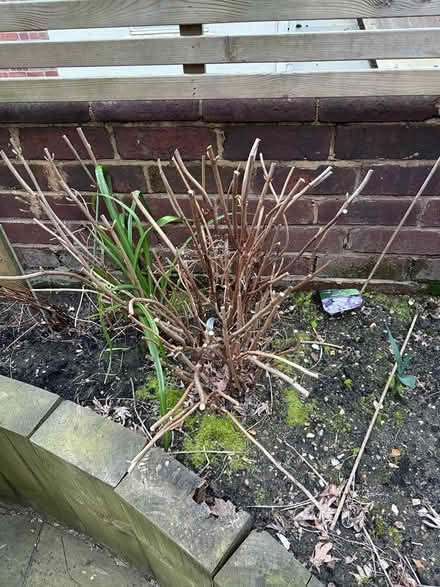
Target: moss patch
{"x":298,"y":412}
{"x":215,"y":433}
{"x":150,"y":391}
{"x":398,"y":305}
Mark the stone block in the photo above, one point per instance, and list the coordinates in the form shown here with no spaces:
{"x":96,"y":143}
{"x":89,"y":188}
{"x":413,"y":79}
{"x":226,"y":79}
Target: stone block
{"x":23,"y":407}
{"x":378,"y":109}
{"x":17,"y":538}
{"x":7,"y":493}
{"x":261,"y":561}
{"x":87,"y":455}
{"x":259,"y":110}
{"x":145,"y":110}
{"x":182,"y":540}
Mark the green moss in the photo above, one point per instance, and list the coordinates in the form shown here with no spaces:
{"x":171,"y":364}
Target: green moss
{"x":366,"y":403}
{"x":260,"y":496}
{"x":215,"y":433}
{"x":298,"y":412}
{"x":150,"y":391}
{"x":394,"y":534}
{"x":348,"y":383}
{"x":400,"y":417}
{"x":307,"y":307}
{"x":379,"y":527}
{"x":397,"y":304}
{"x":340,"y":423}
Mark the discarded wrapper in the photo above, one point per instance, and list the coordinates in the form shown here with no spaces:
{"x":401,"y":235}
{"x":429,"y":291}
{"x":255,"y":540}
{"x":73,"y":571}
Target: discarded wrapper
{"x":340,"y":300}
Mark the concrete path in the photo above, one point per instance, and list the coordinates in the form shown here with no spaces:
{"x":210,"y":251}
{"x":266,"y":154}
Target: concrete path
{"x":37,"y":553}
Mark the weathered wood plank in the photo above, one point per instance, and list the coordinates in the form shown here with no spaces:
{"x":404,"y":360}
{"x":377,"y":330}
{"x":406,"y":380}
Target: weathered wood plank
{"x":333,"y":46}
{"x":63,"y":14}
{"x":414,"y":23}
{"x":315,"y":84}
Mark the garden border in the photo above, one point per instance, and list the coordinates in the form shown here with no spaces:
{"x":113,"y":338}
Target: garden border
{"x":70,"y":463}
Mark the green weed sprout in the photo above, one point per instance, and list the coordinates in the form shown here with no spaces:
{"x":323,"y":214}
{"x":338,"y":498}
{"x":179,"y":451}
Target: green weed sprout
{"x":402,"y":363}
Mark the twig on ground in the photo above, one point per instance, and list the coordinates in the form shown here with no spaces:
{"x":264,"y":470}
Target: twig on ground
{"x":379,"y":560}
{"x":274,"y":461}
{"x":320,"y":343}
{"x":370,"y":429}
{"x":311,"y":467}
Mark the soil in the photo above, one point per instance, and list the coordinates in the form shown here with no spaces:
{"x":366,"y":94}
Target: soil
{"x":398,"y":479}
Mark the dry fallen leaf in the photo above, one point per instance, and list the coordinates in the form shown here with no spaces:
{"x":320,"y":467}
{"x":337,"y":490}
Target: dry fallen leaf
{"x":395,"y":452}
{"x":321,"y":555}
{"x":223,"y":509}
{"x":419,"y":563}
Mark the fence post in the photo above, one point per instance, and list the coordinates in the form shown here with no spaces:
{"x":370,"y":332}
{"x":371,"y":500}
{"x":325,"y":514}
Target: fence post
{"x":189,"y":30}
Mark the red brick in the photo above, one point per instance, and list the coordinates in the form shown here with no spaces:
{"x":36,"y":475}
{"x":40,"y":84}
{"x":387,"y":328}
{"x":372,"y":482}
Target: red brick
{"x":378,"y":109}
{"x":301,"y":212}
{"x":177,"y":184}
{"x":303,"y":266}
{"x":24,"y":36}
{"x":340,"y":182}
{"x":332,"y":243}
{"x":259,"y":110}
{"x":146,"y":110}
{"x":412,"y":241}
{"x":13,"y":207}
{"x":394,"y":180}
{"x":34,"y":139}
{"x":278,"y":142}
{"x":125,"y":178}
{"x":160,"y":142}
{"x":29,"y":233}
{"x":4,"y":140}
{"x":385,"y":211}
{"x":359,"y":266}
{"x":387,"y":142}
{"x":8,"y":181}
{"x":51,"y":73}
{"x":426,"y":269}
{"x":431,"y":214}
{"x":9,"y":37}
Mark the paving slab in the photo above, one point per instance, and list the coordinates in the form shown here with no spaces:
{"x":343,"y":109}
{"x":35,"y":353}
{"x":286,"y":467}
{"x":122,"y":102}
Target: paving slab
{"x":36,"y":553}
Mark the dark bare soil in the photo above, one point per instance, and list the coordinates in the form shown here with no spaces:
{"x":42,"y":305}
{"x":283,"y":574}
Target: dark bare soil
{"x":399,"y":473}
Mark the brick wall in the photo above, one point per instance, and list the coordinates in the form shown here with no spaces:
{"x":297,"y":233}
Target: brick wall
{"x":399,"y":138}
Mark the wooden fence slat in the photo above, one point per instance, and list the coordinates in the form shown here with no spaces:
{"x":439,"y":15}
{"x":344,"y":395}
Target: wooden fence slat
{"x":333,"y":46}
{"x":315,"y":84}
{"x":65,"y":14}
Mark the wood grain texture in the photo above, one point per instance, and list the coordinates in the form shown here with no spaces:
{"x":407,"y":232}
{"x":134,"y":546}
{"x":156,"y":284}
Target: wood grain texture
{"x":63,"y":14}
{"x":346,"y":45}
{"x":417,"y":22}
{"x":290,"y":85}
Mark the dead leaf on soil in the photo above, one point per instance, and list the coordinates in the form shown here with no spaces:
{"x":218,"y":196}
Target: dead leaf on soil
{"x":224,"y":510}
{"x":395,"y":452}
{"x":400,"y":577}
{"x":321,"y":555}
{"x":429,"y":517}
{"x":419,"y":563}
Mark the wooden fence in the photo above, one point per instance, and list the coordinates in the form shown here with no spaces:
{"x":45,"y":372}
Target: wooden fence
{"x":192,"y":50}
